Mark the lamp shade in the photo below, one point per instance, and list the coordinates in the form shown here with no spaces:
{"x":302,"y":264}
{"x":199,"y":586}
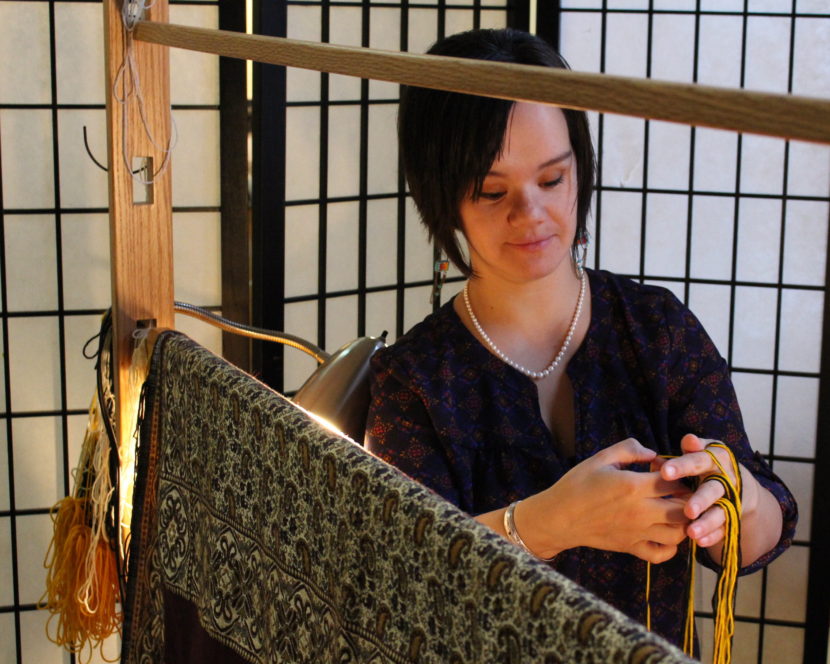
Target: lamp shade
{"x":339,"y":390}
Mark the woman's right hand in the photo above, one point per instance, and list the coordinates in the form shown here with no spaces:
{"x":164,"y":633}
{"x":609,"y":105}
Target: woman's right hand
{"x":601,"y":504}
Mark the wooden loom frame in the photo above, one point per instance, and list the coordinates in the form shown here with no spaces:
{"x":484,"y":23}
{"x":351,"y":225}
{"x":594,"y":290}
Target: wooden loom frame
{"x":141,"y":234}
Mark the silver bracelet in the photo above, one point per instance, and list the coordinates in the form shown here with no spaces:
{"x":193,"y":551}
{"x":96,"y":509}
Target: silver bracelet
{"x":513,"y":534}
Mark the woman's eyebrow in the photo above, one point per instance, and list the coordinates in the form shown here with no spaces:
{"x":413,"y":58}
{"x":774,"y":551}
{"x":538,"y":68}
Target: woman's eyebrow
{"x":550,"y":162}
{"x":556,"y":160}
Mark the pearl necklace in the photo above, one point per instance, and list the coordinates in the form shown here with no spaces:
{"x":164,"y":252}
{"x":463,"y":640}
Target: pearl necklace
{"x":535,"y":375}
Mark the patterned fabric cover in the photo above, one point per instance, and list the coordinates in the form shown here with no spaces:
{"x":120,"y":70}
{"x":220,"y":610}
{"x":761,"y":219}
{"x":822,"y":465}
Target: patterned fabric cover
{"x":287,"y":543}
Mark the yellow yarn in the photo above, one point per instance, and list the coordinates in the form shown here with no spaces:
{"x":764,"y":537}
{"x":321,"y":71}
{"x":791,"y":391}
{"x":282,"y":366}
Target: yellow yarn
{"x":82,"y":585}
{"x":724,"y":597}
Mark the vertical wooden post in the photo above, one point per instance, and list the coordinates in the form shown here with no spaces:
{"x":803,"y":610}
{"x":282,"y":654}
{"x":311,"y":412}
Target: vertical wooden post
{"x":141,"y":237}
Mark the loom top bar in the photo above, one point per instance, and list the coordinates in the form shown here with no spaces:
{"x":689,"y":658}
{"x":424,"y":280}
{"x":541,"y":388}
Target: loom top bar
{"x":785,"y":116}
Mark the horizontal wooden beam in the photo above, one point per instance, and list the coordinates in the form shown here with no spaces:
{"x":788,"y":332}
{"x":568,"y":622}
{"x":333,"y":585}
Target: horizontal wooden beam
{"x":784,"y":116}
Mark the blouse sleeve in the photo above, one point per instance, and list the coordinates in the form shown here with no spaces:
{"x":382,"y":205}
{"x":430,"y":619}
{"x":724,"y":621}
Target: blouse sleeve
{"x":399,"y":431}
{"x":702,"y":401}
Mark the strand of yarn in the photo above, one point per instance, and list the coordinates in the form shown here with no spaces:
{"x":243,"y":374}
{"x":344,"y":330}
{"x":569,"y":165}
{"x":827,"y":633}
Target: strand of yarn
{"x":127,"y":85}
{"x":726,"y":588}
{"x":723,"y":600}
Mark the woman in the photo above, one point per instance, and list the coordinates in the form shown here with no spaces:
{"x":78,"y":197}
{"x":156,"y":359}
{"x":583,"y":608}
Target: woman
{"x":539,"y":399}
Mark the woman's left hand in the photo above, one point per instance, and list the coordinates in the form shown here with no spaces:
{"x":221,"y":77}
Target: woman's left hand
{"x":707,"y":521}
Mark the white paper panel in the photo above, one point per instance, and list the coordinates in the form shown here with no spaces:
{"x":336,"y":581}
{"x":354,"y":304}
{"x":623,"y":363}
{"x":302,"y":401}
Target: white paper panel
{"x":380,"y":314}
{"x":716,"y":158}
{"x":673,"y":47}
{"x":206,"y":335}
{"x":341,"y":321}
{"x":345,"y":29}
{"x":30,"y":263}
{"x":783,"y":644}
{"x":24,"y":28}
{"x":194,"y":76}
{"x":755,"y":398}
{"x":86,"y":261}
{"x":759,"y":239}
{"x":799,"y":479}
{"x":4,"y":496}
{"x":300,"y":320}
{"x":82,"y":182}
{"x":666,"y":235}
{"x":811,"y":72}
{"x":342,"y":246}
{"x":626,"y":42}
{"x":722,"y":5}
{"x":620,"y":232}
{"x":423,"y":29}
{"x":796,"y":416}
{"x":809,"y":170}
{"x":33,"y":536}
{"x":754,"y":335}
{"x":382,"y":172}
{"x":303,"y":23}
{"x":581,"y":40}
{"x":384,"y":33}
{"x":26,"y":139}
{"x":767,"y":57}
{"x":805,"y":242}
{"x":344,"y":150}
{"x":6,"y":580}
{"x":669,"y":148}
{"x":458,"y":21}
{"x":197,"y":257}
{"x":762,"y":165}
{"x":302,"y":149}
{"x":712,"y":232}
{"x":622,"y":151}
{"x":34,"y":368}
{"x":79,"y":57}
{"x":301,"y":256}
{"x":801,"y":317}
{"x":80,"y":371}
{"x":720,"y":40}
{"x":196,"y":159}
{"x":381,"y":242}
{"x":37,"y":462}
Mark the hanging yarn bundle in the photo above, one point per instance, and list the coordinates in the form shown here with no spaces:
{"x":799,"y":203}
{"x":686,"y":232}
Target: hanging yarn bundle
{"x":723,"y":600}
{"x":85,"y":560}
{"x":83,"y":582}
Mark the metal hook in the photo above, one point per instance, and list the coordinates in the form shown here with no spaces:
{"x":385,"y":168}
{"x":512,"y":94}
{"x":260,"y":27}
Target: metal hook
{"x":98,"y":163}
{"x":89,"y":152}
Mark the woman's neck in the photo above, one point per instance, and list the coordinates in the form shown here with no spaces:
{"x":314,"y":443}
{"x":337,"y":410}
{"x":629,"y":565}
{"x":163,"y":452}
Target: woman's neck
{"x":526,"y":321}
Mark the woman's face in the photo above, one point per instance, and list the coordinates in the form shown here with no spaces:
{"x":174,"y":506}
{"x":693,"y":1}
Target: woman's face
{"x":523,"y":224}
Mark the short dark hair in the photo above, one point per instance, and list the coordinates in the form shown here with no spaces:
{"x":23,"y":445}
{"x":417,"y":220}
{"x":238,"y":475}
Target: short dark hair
{"x":448,"y":140}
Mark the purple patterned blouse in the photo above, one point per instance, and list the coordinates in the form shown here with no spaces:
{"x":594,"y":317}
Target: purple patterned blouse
{"x":455,"y":418}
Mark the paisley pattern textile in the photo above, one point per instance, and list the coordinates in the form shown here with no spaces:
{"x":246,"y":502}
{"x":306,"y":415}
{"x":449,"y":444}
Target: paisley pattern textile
{"x":258,"y":536}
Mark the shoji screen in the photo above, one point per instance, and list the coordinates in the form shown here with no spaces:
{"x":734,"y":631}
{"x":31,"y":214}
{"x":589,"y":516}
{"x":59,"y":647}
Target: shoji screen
{"x":737,"y":227}
{"x":356,"y":259}
{"x":54,"y":264}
